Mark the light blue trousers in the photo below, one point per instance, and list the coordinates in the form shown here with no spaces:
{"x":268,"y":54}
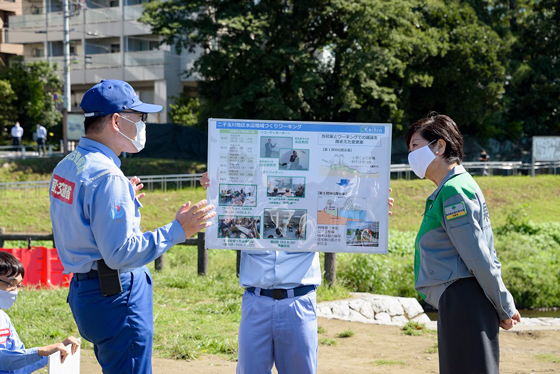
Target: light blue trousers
{"x":278,"y":331}
{"x":120,"y":327}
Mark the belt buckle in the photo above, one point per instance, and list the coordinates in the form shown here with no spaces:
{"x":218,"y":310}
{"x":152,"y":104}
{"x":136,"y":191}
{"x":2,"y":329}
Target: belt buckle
{"x":277,"y":294}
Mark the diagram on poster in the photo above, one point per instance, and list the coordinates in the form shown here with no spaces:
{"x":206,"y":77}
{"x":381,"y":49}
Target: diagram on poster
{"x":299,"y":186}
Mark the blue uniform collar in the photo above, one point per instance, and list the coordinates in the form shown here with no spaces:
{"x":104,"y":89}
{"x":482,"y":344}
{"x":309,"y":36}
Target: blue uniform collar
{"x":92,"y":145}
{"x":459,"y":169}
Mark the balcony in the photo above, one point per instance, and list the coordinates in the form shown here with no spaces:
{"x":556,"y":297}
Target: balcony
{"x":13,"y":49}
{"x":139,"y":66}
{"x":109,"y":60}
{"x":93,"y":16}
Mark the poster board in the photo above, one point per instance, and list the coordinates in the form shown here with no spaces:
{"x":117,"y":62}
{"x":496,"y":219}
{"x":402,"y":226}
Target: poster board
{"x":546,"y":148}
{"x":70,"y":366}
{"x":299,"y":186}
{"x":76,"y":128}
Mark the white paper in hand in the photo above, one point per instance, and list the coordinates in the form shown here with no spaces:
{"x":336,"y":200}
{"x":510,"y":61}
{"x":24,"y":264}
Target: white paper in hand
{"x":70,"y":366}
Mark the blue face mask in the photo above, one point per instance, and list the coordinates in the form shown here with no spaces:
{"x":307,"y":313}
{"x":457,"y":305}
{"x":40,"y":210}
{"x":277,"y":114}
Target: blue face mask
{"x":7,"y":299}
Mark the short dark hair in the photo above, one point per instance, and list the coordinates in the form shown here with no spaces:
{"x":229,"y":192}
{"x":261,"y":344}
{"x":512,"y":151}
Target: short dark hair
{"x":439,"y":126}
{"x":94,"y":125}
{"x":10,"y":265}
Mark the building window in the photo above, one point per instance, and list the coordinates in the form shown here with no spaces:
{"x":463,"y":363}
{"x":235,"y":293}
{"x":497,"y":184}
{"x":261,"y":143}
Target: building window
{"x":37,"y":52}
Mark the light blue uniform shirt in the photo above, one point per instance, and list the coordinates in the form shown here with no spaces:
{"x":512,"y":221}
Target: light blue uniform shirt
{"x":14,"y":358}
{"x":95,"y":214}
{"x":279,"y":269}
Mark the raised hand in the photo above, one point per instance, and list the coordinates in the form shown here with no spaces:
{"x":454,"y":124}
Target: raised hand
{"x":137,"y":185}
{"x":194,"y":218}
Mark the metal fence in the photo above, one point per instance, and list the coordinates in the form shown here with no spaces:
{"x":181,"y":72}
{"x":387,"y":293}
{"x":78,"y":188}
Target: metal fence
{"x":159,"y":263}
{"x":398,"y":171}
{"x":488,"y":168}
{"x":23,"y":151}
{"x":150,"y":182}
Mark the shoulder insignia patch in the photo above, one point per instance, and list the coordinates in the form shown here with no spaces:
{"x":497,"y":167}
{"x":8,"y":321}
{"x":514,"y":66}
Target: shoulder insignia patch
{"x":455,"y":211}
{"x":62,"y":189}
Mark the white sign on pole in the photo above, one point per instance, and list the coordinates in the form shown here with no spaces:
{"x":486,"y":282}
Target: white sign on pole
{"x":76,"y":128}
{"x":70,"y":366}
{"x":299,"y":186}
{"x":546,"y":148}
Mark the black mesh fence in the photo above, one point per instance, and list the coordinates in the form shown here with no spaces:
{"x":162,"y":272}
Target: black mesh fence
{"x":173,"y":141}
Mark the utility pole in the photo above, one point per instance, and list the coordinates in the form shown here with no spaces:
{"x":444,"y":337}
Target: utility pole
{"x":66,"y":48}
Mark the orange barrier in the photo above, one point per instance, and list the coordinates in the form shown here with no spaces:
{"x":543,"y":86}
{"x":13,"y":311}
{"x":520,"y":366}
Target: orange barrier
{"x":42,"y":266}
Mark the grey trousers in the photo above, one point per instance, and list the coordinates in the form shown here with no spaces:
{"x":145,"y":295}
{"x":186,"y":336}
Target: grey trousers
{"x":468,"y":327}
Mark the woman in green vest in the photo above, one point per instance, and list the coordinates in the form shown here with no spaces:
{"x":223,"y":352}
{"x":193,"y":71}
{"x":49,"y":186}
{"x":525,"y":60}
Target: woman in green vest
{"x":456,"y":267}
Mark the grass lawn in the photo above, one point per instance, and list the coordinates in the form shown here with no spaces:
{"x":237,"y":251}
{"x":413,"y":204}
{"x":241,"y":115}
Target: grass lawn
{"x":539,"y":197}
{"x":194,"y":315}
{"x":28,"y":211}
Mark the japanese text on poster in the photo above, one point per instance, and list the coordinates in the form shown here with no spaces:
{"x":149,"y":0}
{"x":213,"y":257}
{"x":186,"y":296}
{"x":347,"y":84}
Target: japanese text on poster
{"x":299,"y":186}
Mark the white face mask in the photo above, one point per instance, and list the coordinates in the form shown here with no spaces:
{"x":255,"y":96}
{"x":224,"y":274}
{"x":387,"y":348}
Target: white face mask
{"x":7,"y":299}
{"x":420,"y":159}
{"x":140,"y":141}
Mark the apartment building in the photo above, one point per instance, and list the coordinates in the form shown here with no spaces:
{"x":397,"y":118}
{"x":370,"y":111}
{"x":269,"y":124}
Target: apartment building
{"x":106,"y":42}
{"x":8,"y":8}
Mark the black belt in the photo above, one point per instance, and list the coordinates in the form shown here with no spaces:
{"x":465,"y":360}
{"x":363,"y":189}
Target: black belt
{"x":92,"y":274}
{"x":279,"y":294}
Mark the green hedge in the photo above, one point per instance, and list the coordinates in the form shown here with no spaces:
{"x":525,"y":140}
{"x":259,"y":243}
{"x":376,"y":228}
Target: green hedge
{"x":529,"y":253}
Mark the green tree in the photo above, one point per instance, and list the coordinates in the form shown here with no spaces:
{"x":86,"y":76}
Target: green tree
{"x":467,"y":74}
{"x":534,"y":89}
{"x":34,"y":85}
{"x":337,"y":60}
{"x":185,"y":109}
{"x":7,"y":108}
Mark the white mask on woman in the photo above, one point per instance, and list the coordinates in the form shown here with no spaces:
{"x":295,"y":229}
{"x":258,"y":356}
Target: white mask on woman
{"x":420,"y":159}
{"x":7,"y":299}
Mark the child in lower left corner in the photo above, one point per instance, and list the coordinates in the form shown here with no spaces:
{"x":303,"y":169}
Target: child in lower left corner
{"x":14,"y":358}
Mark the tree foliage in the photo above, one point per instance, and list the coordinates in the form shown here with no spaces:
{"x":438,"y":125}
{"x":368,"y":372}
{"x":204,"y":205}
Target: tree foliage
{"x":34,"y":85}
{"x":371,"y":60}
{"x":7,"y":108}
{"x":534,"y":92}
{"x":185,"y":109}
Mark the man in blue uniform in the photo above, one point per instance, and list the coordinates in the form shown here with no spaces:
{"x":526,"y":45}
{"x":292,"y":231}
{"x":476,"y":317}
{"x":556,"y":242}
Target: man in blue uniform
{"x":96,"y":224}
{"x":278,"y":310}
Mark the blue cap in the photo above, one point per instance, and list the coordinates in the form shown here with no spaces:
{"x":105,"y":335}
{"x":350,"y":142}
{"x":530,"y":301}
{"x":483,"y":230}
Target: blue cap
{"x":113,"y":96}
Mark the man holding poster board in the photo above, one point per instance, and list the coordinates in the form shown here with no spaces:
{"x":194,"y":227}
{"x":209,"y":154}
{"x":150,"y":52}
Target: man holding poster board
{"x":343,"y":185}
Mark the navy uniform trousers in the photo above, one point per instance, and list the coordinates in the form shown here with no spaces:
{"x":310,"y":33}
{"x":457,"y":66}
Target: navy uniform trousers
{"x":120,"y":327}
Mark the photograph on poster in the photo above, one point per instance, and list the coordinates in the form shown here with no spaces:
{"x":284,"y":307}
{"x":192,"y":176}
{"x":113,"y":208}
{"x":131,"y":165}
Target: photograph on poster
{"x":285,"y":186}
{"x":270,"y":145}
{"x":339,"y":210}
{"x":285,"y":224}
{"x":293,"y":159}
{"x":238,"y":195}
{"x":362,"y":233}
{"x":241,"y":227}
{"x":314,"y":186}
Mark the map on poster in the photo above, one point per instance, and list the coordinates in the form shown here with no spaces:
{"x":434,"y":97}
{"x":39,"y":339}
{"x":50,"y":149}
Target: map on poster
{"x":299,"y":186}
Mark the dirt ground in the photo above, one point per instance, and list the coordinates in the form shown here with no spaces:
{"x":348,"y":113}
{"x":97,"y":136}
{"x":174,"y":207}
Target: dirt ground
{"x":383,"y":349}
